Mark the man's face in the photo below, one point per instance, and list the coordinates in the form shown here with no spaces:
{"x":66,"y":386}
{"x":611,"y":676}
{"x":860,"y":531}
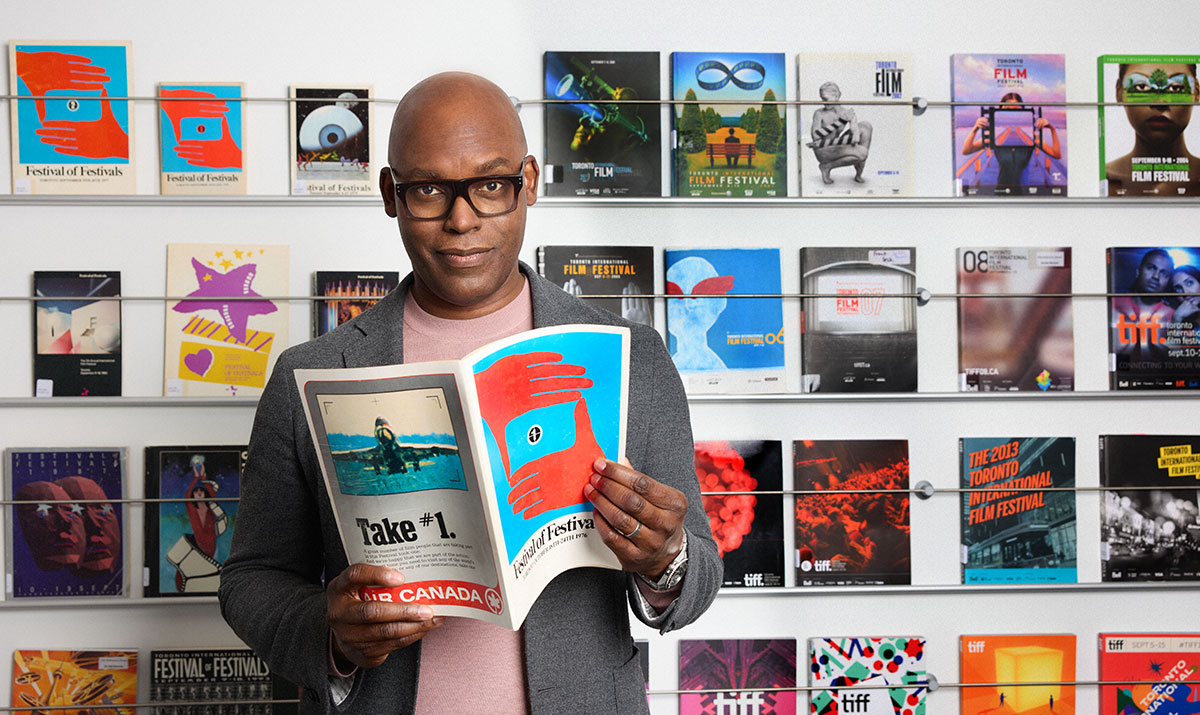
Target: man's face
{"x":100,"y":525}
{"x":464,"y":265}
{"x":54,"y":532}
{"x":1154,"y":275}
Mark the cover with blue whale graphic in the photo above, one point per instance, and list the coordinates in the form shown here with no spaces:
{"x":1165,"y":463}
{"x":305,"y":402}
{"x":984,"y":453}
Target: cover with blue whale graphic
{"x":468,"y":475}
{"x":722,"y":344}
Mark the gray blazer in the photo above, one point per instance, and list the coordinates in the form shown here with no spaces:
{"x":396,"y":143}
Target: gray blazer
{"x":579,"y":656}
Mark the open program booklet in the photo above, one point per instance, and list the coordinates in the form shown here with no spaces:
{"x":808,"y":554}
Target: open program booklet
{"x":467,"y":476}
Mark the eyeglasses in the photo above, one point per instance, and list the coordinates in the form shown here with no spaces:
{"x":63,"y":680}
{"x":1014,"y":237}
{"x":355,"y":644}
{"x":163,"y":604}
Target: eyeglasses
{"x":486,"y":195}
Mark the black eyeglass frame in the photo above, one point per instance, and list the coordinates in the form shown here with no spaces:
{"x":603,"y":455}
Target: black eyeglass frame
{"x":457,"y":188}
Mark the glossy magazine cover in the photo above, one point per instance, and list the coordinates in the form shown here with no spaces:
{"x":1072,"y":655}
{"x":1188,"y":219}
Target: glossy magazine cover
{"x":201,"y":130}
{"x":1048,"y":660}
{"x":843,"y":662}
{"x":77,"y":340}
{"x":740,"y":665}
{"x":748,"y":528}
{"x":1152,"y":339}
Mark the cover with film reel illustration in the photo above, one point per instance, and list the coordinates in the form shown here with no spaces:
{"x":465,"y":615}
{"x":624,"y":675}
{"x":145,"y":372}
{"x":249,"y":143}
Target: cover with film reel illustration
{"x":356,"y":291}
{"x":1010,"y":337}
{"x":1012,"y":145}
{"x":748,"y":528}
{"x":77,"y":340}
{"x":725,"y":344}
{"x":57,"y":547}
{"x":596,"y":146}
{"x":1149,"y":667}
{"x":1151,"y":507}
{"x":625,"y":271}
{"x":206,"y":674}
{"x":1152,"y":338}
{"x":187,"y":542}
{"x":223,"y":338}
{"x":201,"y":137}
{"x":855,"y":339}
{"x":1045,"y":659}
{"x":864,"y":150}
{"x":731,"y":150}
{"x":78,"y":140}
{"x":740,"y":665}
{"x":856,"y":538}
{"x":1143,"y":145}
{"x":1024,"y":536}
{"x":330,"y":139}
{"x":91,"y":680}
{"x":842,"y":662}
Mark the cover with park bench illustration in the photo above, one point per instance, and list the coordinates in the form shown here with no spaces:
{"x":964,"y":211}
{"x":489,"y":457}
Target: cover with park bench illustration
{"x":467,"y":475}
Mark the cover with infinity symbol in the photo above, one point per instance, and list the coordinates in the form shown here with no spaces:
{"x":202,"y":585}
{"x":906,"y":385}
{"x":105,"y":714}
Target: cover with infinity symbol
{"x":77,"y":340}
{"x":74,"y":135}
{"x":625,"y":272}
{"x":598,"y":142}
{"x":223,"y":337}
{"x":83,"y":681}
{"x":863,"y":150}
{"x":730,"y":150}
{"x":330,"y":140}
{"x":1011,"y":144}
{"x":840,"y":663}
{"x":1005,"y":660}
{"x":1143,"y":145}
{"x":747,"y":667}
{"x":1152,"y":341}
{"x":200,"y":138}
{"x":65,"y":540}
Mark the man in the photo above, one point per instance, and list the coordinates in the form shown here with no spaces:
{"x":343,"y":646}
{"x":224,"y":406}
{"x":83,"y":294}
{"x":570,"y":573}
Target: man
{"x":1142,"y":308}
{"x":574,"y":652}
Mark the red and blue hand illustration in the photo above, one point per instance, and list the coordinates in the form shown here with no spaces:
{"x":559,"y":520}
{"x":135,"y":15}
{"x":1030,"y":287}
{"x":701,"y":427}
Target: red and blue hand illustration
{"x":220,"y":153}
{"x":191,"y":104}
{"x":557,"y":480}
{"x":48,"y":71}
{"x":516,"y":384}
{"x":100,"y":139}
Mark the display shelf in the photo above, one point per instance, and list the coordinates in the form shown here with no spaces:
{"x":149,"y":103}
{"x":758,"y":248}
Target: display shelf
{"x":920,"y":589}
{"x":131,"y":401}
{"x":38,"y":604}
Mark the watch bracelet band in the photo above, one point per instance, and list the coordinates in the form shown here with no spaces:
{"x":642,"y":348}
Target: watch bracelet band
{"x":674,"y":572}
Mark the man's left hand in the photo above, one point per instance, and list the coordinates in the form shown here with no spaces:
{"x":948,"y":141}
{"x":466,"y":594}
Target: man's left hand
{"x":640,"y":519}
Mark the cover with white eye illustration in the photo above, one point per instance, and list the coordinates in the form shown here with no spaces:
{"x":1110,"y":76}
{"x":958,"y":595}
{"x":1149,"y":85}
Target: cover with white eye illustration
{"x":330,"y":140}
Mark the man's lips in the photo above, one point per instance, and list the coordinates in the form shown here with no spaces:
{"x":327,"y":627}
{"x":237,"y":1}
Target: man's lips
{"x":464,"y":257}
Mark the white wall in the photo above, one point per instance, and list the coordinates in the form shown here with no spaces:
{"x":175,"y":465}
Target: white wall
{"x":271,"y":44}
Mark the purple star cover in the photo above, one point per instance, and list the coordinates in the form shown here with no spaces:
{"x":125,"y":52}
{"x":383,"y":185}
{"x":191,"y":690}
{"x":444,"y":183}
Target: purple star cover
{"x":222,"y":338}
{"x":57,"y":547}
{"x":742,"y":665}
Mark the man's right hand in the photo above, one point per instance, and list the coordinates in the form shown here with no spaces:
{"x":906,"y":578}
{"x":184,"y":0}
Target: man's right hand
{"x":366,"y":632}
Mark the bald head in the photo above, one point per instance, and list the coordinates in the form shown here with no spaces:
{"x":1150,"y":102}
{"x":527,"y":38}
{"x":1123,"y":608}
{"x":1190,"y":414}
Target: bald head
{"x":453,"y":103}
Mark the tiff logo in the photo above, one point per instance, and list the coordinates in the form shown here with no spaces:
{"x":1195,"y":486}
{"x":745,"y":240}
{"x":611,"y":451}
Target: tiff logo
{"x":1143,"y":330}
{"x":738,"y":704}
{"x":855,"y":702}
{"x":1116,"y":644}
{"x":754,"y":579}
{"x":974,"y":646}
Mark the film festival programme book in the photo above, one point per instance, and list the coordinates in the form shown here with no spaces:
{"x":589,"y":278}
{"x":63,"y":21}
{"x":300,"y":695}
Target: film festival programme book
{"x":596,"y":144}
{"x":353,"y":291}
{"x":853,"y":338}
{"x":60,"y":548}
{"x":201,"y":138}
{"x":1004,"y":660}
{"x":1148,"y":526}
{"x":625,"y":271}
{"x":187,"y":542}
{"x":77,"y":338}
{"x":722,"y":344}
{"x":844,"y":662}
{"x":219,"y":340}
{"x":1018,"y":339}
{"x":740,"y":665}
{"x":468,"y":475}
{"x":748,"y":528}
{"x":75,"y":139}
{"x":1013,"y":145}
{"x":330,"y":139}
{"x":857,"y":538}
{"x":1152,"y":338}
{"x":1012,"y":530}
{"x":82,"y":681}
{"x":224,"y":674}
{"x":1143,"y":145}
{"x":863,"y":150}
{"x":729,"y":149}
{"x":1146,"y":670}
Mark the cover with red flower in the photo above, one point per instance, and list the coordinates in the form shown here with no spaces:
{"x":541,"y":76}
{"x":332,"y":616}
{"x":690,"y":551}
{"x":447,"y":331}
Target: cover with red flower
{"x":1159,"y":673}
{"x":748,"y":528}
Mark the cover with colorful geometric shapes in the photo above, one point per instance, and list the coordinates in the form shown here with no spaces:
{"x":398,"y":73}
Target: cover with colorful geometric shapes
{"x":1147,"y":672}
{"x":844,"y":662}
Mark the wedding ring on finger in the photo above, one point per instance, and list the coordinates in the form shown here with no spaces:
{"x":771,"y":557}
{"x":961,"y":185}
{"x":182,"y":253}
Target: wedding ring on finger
{"x":633,"y":533}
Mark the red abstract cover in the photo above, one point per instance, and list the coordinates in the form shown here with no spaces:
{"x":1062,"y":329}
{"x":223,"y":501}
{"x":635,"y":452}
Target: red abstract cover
{"x":1161,"y":671}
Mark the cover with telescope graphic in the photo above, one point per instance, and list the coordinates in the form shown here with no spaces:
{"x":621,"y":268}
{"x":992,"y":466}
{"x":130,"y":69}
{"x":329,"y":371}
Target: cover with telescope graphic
{"x":330,"y":139}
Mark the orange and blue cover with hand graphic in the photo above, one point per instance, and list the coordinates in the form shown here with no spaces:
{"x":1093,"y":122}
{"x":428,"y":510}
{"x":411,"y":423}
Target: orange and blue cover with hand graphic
{"x":468,"y":475}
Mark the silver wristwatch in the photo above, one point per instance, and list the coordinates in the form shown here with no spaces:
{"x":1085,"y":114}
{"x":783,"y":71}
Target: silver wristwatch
{"x":674,"y":572}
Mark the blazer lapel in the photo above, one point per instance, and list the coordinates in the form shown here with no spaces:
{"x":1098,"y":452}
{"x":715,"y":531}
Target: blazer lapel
{"x":380,"y":338}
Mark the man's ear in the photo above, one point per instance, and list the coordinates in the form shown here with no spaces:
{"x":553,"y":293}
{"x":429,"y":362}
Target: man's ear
{"x":387,"y":189}
{"x":532,"y":174}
